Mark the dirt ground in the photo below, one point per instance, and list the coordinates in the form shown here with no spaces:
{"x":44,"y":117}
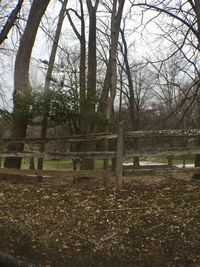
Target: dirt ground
{"x":148,"y":223}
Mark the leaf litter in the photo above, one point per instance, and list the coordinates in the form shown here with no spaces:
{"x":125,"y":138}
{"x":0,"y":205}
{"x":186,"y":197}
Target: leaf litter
{"x":143,"y":225}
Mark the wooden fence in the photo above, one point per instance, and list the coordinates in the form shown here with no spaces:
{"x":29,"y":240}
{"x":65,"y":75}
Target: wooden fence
{"x":188,"y":144}
{"x":101,"y":155}
{"x":119,"y":152}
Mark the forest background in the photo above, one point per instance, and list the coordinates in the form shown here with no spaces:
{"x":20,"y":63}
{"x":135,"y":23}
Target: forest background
{"x":78,"y":67}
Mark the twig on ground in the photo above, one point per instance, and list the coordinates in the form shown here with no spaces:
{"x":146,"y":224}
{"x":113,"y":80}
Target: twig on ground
{"x":107,"y":238}
{"x":87,"y":240}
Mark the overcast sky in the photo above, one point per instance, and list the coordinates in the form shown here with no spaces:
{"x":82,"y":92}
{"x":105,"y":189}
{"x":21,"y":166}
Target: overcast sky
{"x":143,"y":38}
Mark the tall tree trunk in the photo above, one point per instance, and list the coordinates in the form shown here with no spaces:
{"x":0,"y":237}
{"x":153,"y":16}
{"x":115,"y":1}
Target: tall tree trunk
{"x":82,"y":62}
{"x":49,"y":77}
{"x":82,"y":40}
{"x":92,"y":60}
{"x":10,"y":22}
{"x":22,"y":88}
{"x":110,"y":82}
{"x":197,"y":143}
{"x":196,"y":7}
{"x":88,"y":164}
{"x":82,"y":77}
{"x":132,"y":104}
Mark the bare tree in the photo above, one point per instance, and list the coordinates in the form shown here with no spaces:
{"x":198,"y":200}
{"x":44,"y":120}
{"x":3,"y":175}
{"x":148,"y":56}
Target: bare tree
{"x":49,"y":77}
{"x":183,"y":32}
{"x":10,"y":21}
{"x":22,"y":87}
{"x":82,"y":39}
{"x":92,"y":58}
{"x":109,"y":88}
{"x":136,"y":88}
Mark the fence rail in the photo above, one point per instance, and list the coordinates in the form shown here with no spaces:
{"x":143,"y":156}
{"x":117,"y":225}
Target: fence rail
{"x":102,"y":155}
{"x":53,"y":155}
{"x":118,"y":153}
{"x":67,"y":139}
{"x":58,"y":173}
{"x":178,"y":151}
{"x":163,"y":133}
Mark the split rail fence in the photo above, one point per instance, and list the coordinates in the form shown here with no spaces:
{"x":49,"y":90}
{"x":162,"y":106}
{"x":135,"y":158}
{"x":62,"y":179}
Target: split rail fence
{"x":121,"y":150}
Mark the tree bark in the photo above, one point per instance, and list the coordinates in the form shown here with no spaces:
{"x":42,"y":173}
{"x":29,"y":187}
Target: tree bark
{"x":22,"y":88}
{"x":92,"y":60}
{"x":10,"y":22}
{"x":196,"y":7}
{"x":82,"y":63}
{"x":82,"y":40}
{"x":197,"y":12}
{"x":49,"y":77}
{"x":197,"y":143}
{"x":109,"y":89}
{"x":88,"y":164}
{"x":132,"y":103}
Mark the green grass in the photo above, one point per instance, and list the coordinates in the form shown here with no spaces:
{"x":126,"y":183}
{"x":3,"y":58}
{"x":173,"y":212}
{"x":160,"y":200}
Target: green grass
{"x":58,"y":164}
{"x":50,"y":164}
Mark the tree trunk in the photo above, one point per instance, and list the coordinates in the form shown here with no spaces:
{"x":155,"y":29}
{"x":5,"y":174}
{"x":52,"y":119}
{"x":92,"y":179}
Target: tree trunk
{"x":88,"y":164}
{"x":22,"y":88}
{"x":197,"y":141}
{"x":82,"y":40}
{"x":92,"y":60}
{"x":82,"y":63}
{"x":110,"y":82}
{"x":49,"y":77}
{"x":196,"y":176}
{"x":132,"y":102}
{"x":82,"y":78}
{"x":10,"y":22}
{"x":197,"y":11}
{"x":32,"y":164}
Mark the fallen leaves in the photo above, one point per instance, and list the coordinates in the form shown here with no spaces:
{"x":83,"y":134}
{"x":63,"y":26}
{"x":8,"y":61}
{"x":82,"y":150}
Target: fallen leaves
{"x":154,"y":225}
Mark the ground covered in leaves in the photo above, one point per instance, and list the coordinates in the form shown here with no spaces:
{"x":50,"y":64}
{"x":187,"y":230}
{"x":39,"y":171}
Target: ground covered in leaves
{"x":155,"y":224}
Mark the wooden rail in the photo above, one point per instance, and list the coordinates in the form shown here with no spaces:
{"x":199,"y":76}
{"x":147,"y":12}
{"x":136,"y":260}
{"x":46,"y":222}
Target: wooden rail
{"x":178,"y":151}
{"x":56,"y":155}
{"x":162,"y":133}
{"x":57,"y":173}
{"x":168,"y":151}
{"x":118,"y":153}
{"x":103,"y":155}
{"x":67,"y":139}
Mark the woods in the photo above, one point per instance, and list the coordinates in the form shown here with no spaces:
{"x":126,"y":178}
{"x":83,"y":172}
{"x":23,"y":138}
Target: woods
{"x":86,"y":74}
{"x":93,"y":93}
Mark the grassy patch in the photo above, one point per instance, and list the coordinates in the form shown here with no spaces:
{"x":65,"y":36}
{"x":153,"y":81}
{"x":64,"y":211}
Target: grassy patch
{"x":58,"y":164}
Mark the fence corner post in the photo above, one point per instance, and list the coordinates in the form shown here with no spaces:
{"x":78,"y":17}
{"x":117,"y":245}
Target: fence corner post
{"x":119,"y":156}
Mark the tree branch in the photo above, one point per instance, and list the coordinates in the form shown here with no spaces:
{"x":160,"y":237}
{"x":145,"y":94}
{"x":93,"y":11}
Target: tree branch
{"x":10,"y":22}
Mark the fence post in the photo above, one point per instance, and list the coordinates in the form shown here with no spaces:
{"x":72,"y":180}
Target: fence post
{"x":170,"y":161}
{"x":119,"y":156}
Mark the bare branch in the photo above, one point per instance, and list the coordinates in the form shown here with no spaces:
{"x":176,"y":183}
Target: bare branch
{"x":10,"y":22}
